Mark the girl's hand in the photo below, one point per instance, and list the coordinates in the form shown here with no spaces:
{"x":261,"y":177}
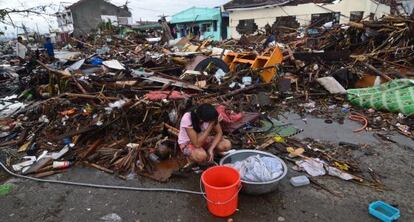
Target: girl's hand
{"x":212,"y":124}
{"x":210,"y":155}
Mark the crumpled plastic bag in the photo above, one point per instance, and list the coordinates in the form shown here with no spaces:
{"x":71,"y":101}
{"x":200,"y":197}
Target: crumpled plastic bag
{"x":116,"y":105}
{"x":338,"y":173}
{"x":228,"y":116}
{"x":316,"y":167}
{"x":313,"y":167}
{"x":258,"y":168}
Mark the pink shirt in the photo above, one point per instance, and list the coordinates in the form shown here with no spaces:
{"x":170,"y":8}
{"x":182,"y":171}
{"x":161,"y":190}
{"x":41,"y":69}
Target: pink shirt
{"x":183,"y":138}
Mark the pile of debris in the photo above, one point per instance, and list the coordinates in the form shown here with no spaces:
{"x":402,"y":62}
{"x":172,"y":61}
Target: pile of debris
{"x":114,"y":103}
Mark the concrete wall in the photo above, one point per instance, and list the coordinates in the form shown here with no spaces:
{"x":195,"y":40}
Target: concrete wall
{"x":214,"y":35}
{"x":303,"y":12}
{"x":65,"y":21}
{"x":87,"y":16}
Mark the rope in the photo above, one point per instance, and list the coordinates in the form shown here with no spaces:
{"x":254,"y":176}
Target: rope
{"x":100,"y":186}
{"x":361,"y":119}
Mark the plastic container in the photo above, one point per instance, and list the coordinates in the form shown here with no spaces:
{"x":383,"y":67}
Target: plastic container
{"x":383,"y":211}
{"x":222,"y":185}
{"x":299,"y":181}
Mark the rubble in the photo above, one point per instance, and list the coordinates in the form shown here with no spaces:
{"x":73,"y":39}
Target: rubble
{"x":115,"y":103}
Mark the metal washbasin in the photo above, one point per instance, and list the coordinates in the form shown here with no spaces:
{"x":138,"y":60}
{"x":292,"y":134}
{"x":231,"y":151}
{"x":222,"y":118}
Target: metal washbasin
{"x":255,"y":188}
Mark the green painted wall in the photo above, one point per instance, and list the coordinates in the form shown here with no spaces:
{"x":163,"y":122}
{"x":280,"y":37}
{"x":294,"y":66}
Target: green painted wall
{"x":199,"y":16}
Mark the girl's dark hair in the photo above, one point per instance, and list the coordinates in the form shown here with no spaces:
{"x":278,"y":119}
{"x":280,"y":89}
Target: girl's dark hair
{"x":203,"y":113}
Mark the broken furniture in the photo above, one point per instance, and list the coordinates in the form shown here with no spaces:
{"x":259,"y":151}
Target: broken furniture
{"x":266,"y":61}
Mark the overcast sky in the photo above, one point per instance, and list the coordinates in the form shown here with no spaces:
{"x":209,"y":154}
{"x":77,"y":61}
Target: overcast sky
{"x":141,"y":9}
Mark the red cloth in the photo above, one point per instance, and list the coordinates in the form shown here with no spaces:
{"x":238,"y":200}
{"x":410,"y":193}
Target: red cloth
{"x":160,"y":95}
{"x":228,"y":116}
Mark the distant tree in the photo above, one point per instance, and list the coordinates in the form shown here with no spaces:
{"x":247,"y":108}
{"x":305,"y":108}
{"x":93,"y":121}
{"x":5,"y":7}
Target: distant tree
{"x":6,"y":12}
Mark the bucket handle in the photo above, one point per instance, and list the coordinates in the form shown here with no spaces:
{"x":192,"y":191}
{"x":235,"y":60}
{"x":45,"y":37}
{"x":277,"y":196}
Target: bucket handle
{"x":220,"y":203}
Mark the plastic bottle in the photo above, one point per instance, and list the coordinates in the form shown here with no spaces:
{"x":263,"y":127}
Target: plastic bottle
{"x":61,"y":164}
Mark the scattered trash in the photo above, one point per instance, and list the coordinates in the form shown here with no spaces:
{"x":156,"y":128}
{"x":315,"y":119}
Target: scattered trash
{"x":113,"y":64}
{"x":299,"y":181}
{"x":29,"y":162}
{"x":61,"y":164}
{"x":96,"y":61}
{"x":115,"y":104}
{"x":295,"y":152}
{"x":313,"y":167}
{"x":338,"y":173}
{"x":113,"y":217}
{"x":332,"y":85}
{"x":247,"y":80}
{"x":77,"y":65}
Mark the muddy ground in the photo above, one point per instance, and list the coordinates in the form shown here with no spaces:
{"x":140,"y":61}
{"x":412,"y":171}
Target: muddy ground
{"x":32,"y":201}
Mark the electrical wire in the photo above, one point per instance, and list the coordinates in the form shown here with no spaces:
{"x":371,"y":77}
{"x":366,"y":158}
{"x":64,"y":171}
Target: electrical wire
{"x":100,"y":185}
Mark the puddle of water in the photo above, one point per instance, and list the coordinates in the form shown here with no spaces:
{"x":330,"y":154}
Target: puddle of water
{"x":317,"y":128}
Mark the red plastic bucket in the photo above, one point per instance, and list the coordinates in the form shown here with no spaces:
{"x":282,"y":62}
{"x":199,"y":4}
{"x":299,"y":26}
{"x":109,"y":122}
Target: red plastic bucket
{"x":222,"y":185}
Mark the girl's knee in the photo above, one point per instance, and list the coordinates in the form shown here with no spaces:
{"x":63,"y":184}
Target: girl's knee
{"x":224,"y":145}
{"x":199,"y":156}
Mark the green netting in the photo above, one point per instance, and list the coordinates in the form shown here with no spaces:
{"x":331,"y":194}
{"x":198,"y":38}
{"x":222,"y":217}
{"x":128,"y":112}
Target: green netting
{"x":394,"y":96}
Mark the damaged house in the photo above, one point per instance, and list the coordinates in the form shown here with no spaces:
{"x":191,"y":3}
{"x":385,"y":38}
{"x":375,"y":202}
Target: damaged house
{"x":206,"y":22}
{"x":85,"y":15}
{"x":248,"y":16}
